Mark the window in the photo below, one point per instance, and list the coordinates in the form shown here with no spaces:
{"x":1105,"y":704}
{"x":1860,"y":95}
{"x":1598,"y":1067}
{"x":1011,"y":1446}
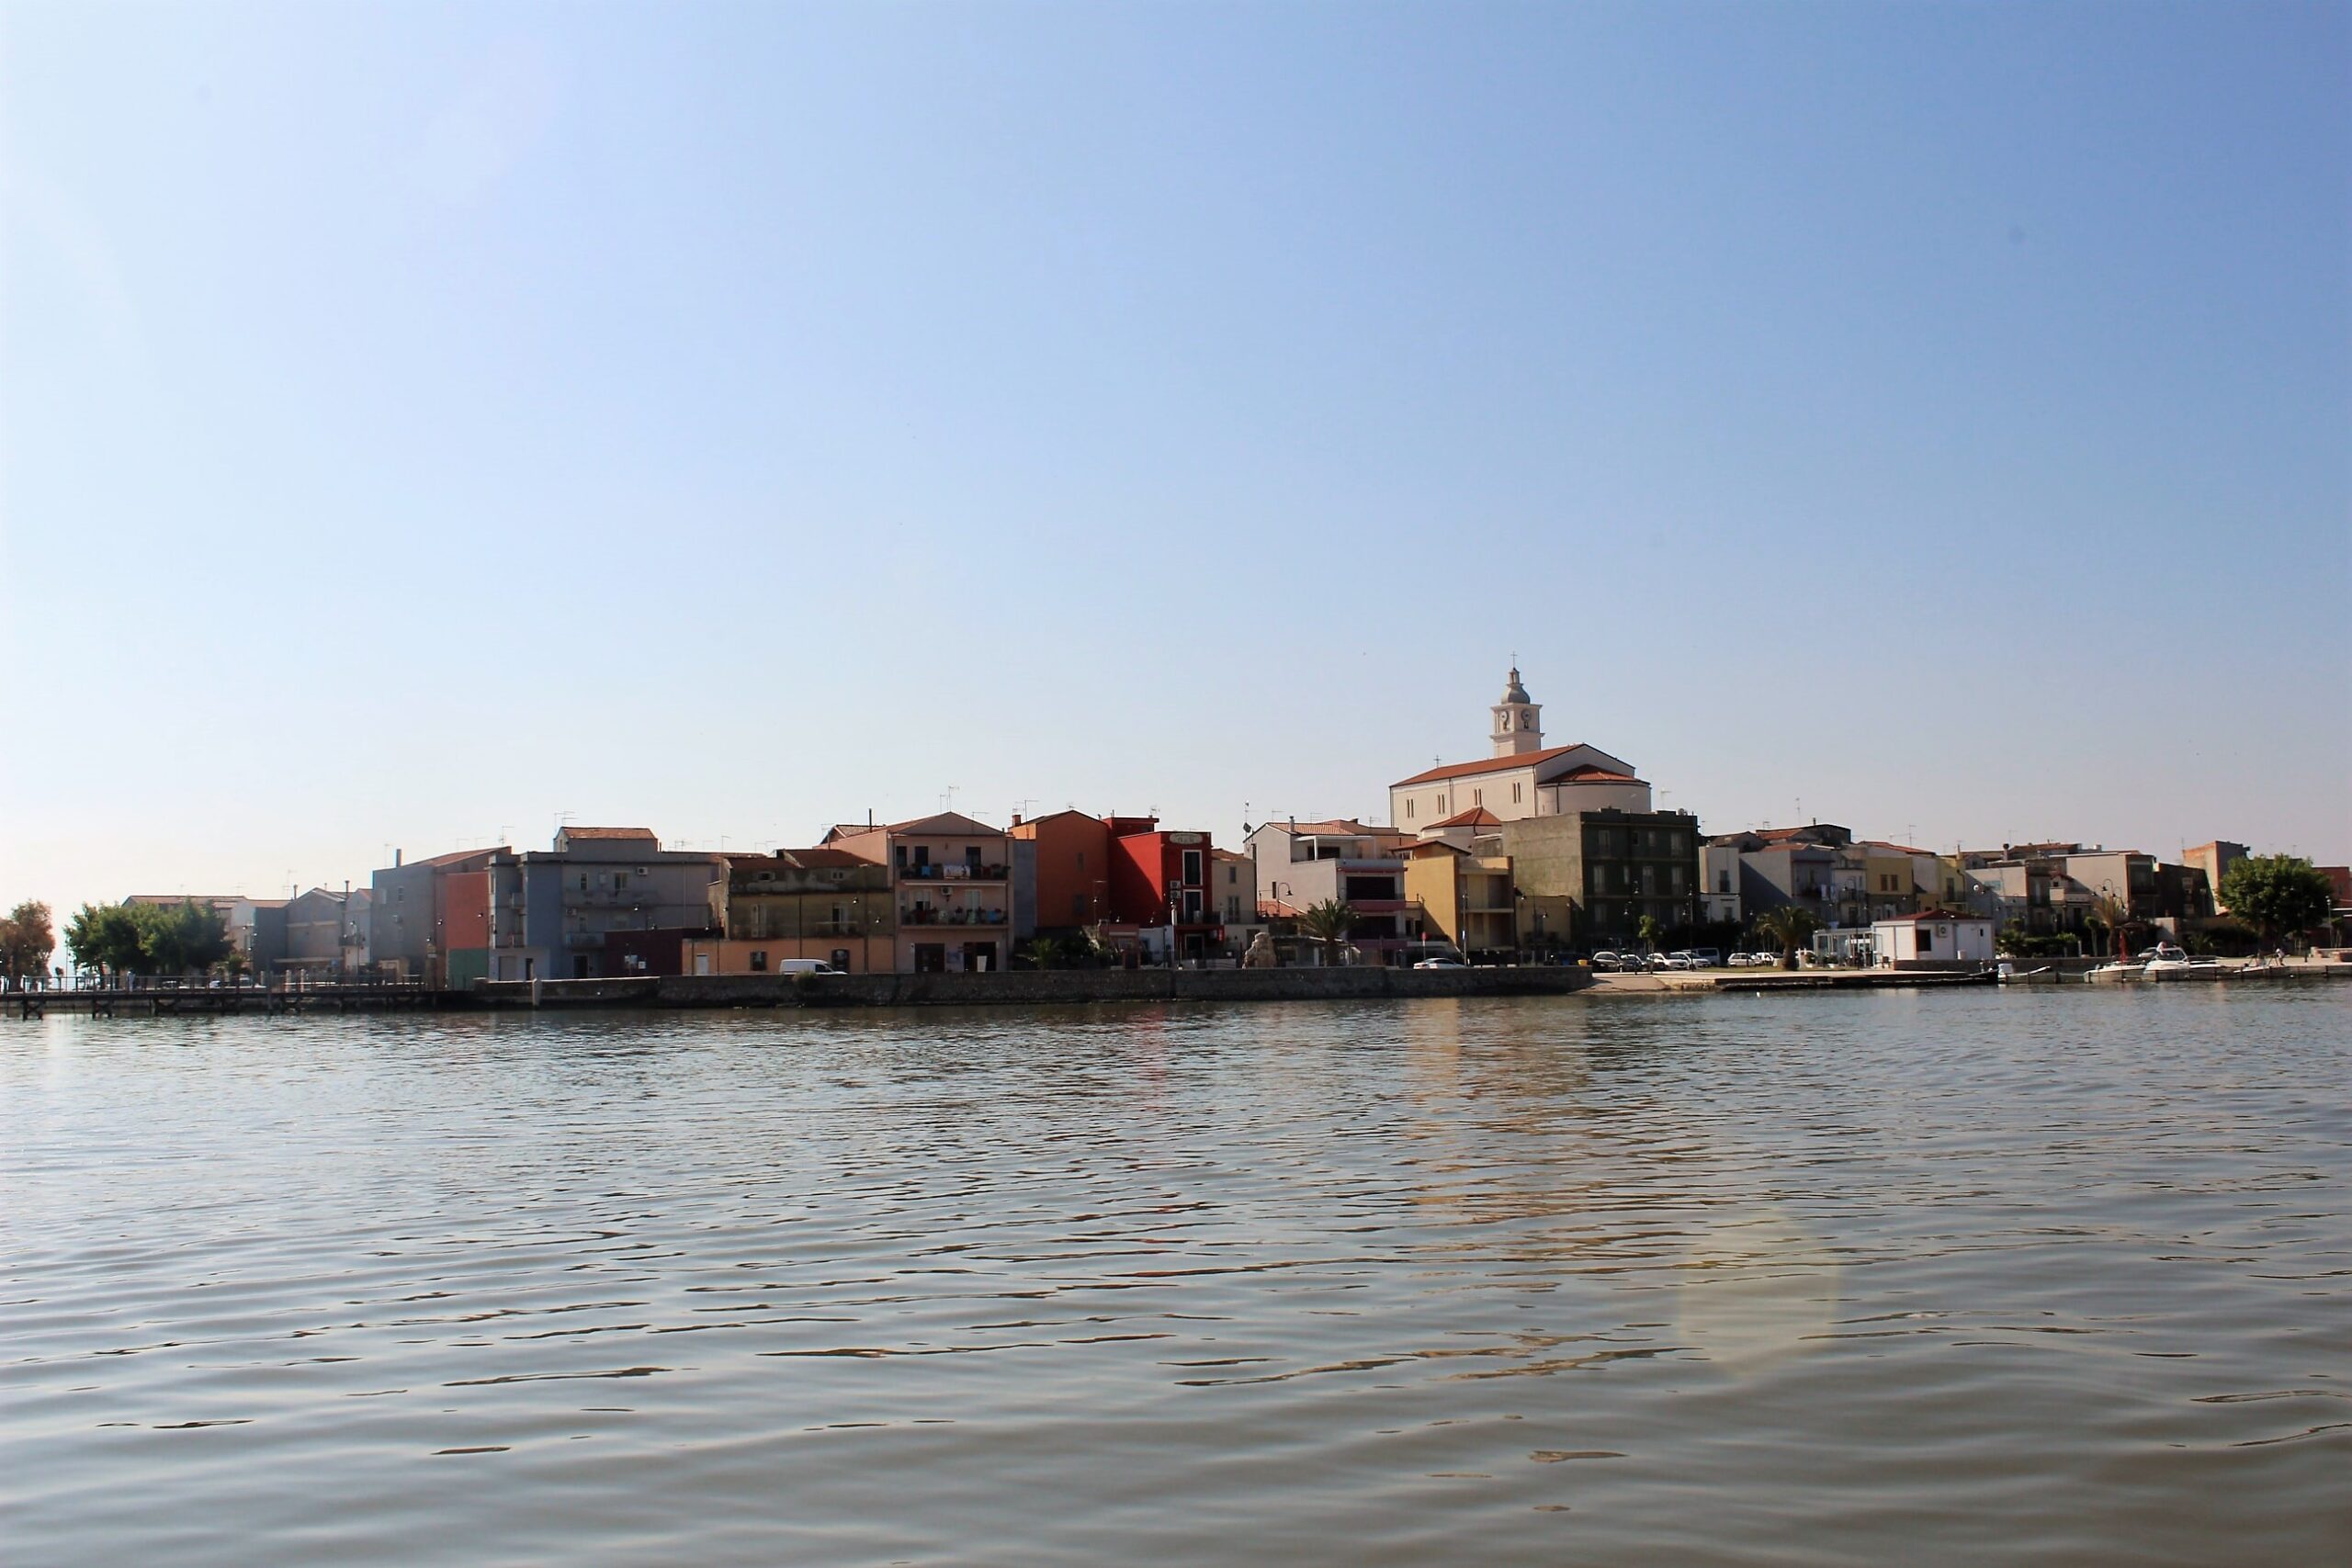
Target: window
{"x":620,"y":880}
{"x":1927,"y":939}
{"x":1408,"y":809}
{"x":759,"y":962}
{"x":583,"y":882}
{"x":1192,"y":868}
{"x":1514,"y":793}
{"x":1478,"y":797}
{"x":1722,"y":881}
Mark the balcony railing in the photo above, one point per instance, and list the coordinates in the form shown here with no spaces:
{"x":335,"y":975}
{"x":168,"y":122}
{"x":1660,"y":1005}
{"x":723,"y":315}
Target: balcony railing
{"x":952,"y":917}
{"x":953,"y":873}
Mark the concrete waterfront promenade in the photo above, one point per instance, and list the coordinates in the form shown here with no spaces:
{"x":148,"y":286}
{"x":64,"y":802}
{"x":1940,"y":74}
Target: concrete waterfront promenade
{"x":1031,"y":987}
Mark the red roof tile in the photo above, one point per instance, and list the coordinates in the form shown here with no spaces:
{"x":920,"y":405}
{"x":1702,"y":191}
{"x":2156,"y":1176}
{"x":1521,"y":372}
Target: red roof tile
{"x":1487,"y":765}
{"x":1477,"y":816}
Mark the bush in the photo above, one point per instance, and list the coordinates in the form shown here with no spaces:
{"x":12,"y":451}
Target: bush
{"x":2018,"y":942}
{"x":2224,"y":938}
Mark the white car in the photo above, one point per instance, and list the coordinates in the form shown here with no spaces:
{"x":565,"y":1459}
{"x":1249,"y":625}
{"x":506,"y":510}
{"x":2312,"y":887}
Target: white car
{"x":1440,"y":963}
{"x":1604,"y":961}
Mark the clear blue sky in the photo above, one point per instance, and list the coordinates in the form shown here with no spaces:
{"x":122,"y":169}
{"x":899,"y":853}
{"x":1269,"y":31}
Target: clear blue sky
{"x":420,"y":421}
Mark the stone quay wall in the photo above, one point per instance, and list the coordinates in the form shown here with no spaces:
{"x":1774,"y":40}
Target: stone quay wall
{"x":1031,"y":987}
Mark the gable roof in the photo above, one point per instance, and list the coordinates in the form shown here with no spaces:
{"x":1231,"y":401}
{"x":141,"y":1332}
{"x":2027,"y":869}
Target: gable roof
{"x":589,"y":834}
{"x":1333,"y":826}
{"x":1594,"y":759}
{"x":1487,"y":765}
{"x":453,"y":857}
{"x":947,"y":822}
{"x":1477,"y":816}
{"x":1589,"y":773}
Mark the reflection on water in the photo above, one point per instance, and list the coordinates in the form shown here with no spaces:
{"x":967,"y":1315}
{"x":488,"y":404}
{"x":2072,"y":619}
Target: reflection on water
{"x":1779,"y":1279}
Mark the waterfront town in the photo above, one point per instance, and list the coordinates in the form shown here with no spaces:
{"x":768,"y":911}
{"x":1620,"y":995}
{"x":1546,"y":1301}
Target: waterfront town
{"x":1533,"y":852}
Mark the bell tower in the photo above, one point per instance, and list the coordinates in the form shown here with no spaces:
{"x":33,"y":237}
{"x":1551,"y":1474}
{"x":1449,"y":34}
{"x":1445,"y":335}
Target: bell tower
{"x":1519,"y":723}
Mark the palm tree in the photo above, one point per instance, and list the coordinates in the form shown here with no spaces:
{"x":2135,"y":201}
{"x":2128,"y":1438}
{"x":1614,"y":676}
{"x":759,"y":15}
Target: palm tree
{"x":1329,"y":923}
{"x":2115,"y":915}
{"x":1787,"y":927}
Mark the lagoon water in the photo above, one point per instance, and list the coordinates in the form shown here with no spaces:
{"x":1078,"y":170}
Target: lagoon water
{"x":2060,"y":1277}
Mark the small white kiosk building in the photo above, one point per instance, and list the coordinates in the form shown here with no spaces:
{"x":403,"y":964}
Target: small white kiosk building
{"x":1936,"y":937}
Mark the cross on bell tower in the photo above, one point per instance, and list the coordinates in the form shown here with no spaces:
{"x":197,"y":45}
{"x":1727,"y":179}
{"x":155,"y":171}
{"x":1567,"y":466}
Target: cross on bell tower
{"x":1518,"y":721}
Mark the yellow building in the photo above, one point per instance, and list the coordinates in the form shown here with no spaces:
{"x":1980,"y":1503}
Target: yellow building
{"x":1461,"y":881}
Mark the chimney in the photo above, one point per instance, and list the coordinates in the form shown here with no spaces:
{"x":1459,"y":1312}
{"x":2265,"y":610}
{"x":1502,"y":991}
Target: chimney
{"x":395,"y":860}
{"x":1016,"y":819}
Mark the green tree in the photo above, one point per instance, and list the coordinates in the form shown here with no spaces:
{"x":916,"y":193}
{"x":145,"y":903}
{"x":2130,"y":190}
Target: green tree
{"x":2280,"y":895}
{"x":1648,"y":930}
{"x":187,"y":938}
{"x":26,"y":939}
{"x":107,"y":938}
{"x":1329,"y":923}
{"x":1787,"y":927}
{"x":1042,"y":952}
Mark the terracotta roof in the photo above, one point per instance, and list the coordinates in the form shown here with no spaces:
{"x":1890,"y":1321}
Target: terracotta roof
{"x":1882,"y":844}
{"x":595,"y":833}
{"x":954,"y":823}
{"x":1233,"y":855}
{"x":1589,"y":773}
{"x":1488,"y":765}
{"x":1275,"y":909}
{"x":1330,"y":825}
{"x":1477,"y":816}
{"x":452,"y":858}
{"x":824,"y":859}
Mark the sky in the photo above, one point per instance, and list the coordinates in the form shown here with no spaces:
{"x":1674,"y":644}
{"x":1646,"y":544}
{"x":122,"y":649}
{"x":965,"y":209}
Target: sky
{"x":418,"y":423}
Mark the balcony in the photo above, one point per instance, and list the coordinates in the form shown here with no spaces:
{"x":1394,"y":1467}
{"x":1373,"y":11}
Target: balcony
{"x":952,"y":917}
{"x":952,"y":873}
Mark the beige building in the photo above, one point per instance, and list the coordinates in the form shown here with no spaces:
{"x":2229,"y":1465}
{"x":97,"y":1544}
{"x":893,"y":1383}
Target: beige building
{"x":1460,"y":882}
{"x":952,"y":884}
{"x":1524,"y":777}
{"x":2215,"y":860}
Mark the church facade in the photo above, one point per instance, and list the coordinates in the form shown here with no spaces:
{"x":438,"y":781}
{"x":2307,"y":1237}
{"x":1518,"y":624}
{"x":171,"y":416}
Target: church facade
{"x":1521,"y":777}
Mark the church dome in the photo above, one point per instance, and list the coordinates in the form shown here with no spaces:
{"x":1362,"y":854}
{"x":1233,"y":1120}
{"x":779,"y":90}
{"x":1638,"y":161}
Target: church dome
{"x":1515,"y":693}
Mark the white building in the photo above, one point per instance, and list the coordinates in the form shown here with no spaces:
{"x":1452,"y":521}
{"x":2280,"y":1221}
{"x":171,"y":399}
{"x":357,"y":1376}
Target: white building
{"x":1719,"y":882}
{"x":1933,"y":936}
{"x":1524,"y":777}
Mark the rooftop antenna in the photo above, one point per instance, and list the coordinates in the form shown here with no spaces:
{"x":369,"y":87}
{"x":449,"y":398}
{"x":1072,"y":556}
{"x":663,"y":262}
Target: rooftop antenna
{"x":947,"y":801}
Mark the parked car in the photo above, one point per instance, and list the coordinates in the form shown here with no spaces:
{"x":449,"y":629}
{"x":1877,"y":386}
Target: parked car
{"x":1746,"y":960}
{"x":1680,"y":958}
{"x":1708,"y":957}
{"x":1440,"y":963}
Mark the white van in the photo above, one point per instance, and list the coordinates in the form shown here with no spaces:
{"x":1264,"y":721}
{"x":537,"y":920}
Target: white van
{"x":804,"y":967}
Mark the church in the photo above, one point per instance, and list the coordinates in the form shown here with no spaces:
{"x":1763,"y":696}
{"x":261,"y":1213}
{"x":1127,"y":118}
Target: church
{"x":1523,"y":778}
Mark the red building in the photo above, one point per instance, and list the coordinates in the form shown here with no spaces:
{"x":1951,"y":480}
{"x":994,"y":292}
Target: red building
{"x":1123,"y":877}
{"x":1161,"y":878}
